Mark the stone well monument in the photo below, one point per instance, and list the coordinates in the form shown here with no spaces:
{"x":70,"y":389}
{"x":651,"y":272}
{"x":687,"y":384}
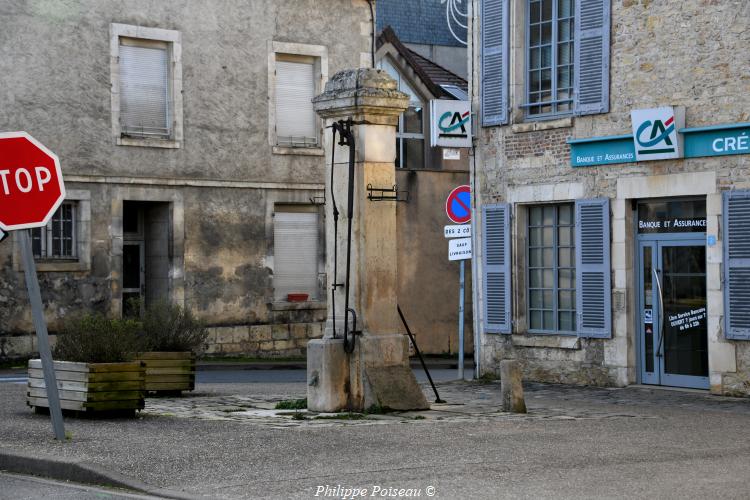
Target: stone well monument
{"x":377,"y":371}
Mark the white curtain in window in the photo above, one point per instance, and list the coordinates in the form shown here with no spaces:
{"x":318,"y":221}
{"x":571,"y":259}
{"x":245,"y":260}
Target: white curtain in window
{"x":295,"y":254}
{"x":295,"y":118}
{"x":144,"y":91}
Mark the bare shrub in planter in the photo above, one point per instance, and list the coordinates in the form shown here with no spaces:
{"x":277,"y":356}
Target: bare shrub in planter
{"x":169,"y":327}
{"x":171,"y":336}
{"x":94,"y":367}
{"x":94,"y":338}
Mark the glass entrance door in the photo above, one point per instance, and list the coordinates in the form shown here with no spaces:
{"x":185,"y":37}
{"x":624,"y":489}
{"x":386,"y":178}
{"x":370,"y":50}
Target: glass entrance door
{"x":673,"y":322}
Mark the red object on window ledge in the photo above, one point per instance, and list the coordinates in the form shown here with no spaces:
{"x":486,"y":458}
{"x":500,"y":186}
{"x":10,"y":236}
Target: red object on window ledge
{"x":297,"y":297}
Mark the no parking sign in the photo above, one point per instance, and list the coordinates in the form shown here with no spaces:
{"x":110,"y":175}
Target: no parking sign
{"x":458,"y":205}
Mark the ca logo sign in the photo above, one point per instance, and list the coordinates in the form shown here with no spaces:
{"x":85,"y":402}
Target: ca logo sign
{"x":457,"y":120}
{"x":656,"y":132}
{"x":660,"y":132}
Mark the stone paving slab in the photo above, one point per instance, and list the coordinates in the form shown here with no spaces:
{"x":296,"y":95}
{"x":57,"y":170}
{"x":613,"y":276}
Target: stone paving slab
{"x":468,"y":402}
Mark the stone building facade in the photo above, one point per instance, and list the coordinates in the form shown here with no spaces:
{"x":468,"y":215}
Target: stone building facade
{"x":188,"y":177}
{"x":599,"y":263}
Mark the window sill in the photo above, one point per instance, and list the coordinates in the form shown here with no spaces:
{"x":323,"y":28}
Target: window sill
{"x":148,"y":142}
{"x":61,"y":266}
{"x":298,"y":306}
{"x":535,"y":126}
{"x":284,"y":150}
{"x":547,"y":341}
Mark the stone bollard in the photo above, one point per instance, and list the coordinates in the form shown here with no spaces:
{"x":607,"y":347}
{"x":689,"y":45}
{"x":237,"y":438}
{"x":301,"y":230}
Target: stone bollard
{"x":511,"y":386}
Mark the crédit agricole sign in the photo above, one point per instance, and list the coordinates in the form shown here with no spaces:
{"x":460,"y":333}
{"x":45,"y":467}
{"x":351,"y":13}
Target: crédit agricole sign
{"x":659,"y":134}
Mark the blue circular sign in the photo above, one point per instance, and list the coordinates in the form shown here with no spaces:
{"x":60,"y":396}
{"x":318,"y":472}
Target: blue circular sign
{"x":458,"y":205}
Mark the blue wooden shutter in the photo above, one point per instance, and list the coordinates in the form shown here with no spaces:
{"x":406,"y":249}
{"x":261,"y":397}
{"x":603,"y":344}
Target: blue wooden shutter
{"x":736,"y":222}
{"x":494,"y":65}
{"x":593,"y":289}
{"x":496,"y":235}
{"x":592,"y":57}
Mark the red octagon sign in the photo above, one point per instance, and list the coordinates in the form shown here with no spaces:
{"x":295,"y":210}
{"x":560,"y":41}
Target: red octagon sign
{"x":31,"y":183}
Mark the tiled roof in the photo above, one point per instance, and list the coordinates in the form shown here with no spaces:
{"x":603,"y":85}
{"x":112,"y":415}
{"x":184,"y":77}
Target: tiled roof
{"x":418,"y":21}
{"x":432,"y":75}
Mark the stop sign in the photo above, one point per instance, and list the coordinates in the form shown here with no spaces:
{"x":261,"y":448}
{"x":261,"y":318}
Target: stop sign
{"x":31,"y":183}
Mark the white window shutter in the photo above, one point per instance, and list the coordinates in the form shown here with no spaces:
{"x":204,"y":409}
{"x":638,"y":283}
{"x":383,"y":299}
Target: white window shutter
{"x":144,"y":91}
{"x":295,"y":117}
{"x":295,"y":260}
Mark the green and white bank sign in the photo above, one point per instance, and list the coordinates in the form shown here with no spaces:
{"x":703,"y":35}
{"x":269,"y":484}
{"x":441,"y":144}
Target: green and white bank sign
{"x":660,"y":134}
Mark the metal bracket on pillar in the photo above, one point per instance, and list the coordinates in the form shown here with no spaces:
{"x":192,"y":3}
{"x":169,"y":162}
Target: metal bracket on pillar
{"x":386,"y":194}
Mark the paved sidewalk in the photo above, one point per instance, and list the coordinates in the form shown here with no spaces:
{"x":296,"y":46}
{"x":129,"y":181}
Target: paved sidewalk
{"x":226,"y":441}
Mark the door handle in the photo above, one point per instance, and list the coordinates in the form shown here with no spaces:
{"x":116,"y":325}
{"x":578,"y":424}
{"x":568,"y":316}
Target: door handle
{"x":661,"y":312}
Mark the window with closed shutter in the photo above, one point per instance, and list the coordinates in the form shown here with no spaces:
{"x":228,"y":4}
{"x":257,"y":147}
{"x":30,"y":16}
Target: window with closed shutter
{"x":592,"y":56}
{"x":593,"y":274}
{"x":494,"y":61}
{"x":295,"y":253}
{"x":296,"y":122}
{"x":145,"y":89}
{"x":736,"y":222}
{"x":496,"y":267}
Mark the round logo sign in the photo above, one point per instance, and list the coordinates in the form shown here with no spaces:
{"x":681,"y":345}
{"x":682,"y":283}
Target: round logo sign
{"x":458,"y":205}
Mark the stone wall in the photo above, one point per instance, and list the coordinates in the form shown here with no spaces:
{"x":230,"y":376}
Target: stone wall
{"x":263,"y":341}
{"x":220,"y":185}
{"x":680,"y":53}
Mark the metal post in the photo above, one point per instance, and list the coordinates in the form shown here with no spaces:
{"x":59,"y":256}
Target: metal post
{"x":32,"y":284}
{"x":461,"y":323}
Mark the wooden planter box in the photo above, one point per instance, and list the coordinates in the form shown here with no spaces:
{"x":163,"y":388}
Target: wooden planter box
{"x":169,"y":371}
{"x":90,"y":387}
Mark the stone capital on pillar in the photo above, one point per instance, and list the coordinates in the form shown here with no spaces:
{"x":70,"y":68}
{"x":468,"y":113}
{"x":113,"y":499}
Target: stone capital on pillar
{"x":366,"y":95}
{"x":370,"y":98}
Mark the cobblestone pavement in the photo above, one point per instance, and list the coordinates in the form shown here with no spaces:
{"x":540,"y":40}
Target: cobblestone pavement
{"x":465,"y":402}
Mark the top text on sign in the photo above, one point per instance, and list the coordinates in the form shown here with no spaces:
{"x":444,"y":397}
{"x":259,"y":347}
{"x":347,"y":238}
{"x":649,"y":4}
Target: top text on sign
{"x":31,"y":183}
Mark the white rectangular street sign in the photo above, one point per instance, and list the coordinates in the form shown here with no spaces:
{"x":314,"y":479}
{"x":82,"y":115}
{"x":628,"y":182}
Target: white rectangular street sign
{"x":451,"y":154}
{"x":457,"y":231}
{"x":459,"y":249}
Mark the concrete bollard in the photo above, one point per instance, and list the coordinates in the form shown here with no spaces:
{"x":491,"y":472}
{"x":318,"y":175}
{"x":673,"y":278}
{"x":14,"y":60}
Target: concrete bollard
{"x":511,"y":387}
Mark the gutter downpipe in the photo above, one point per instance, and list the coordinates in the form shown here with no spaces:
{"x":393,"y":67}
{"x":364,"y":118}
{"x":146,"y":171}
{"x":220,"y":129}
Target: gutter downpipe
{"x":472,"y":184}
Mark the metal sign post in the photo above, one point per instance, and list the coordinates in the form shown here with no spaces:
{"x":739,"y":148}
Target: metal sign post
{"x":32,"y":284}
{"x":461,"y":323}
{"x":33,"y":189}
{"x":458,"y":210}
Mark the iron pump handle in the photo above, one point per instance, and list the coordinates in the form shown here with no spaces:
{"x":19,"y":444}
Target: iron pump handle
{"x":344,"y":128}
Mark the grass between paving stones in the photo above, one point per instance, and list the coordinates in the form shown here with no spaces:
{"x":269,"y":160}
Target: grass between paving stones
{"x":292,"y":404}
{"x":341,"y":416}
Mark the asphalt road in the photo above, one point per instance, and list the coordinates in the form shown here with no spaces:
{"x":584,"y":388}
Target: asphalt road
{"x":576,"y":443}
{"x":18,"y":487}
{"x":296,"y":376}
{"x":240,"y":376}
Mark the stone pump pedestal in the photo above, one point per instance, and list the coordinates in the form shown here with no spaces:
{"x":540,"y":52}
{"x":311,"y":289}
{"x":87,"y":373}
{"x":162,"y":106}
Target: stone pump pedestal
{"x":377,"y":371}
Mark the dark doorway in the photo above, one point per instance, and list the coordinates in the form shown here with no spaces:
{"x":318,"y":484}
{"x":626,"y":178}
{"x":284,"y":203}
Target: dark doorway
{"x":146,"y":254}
